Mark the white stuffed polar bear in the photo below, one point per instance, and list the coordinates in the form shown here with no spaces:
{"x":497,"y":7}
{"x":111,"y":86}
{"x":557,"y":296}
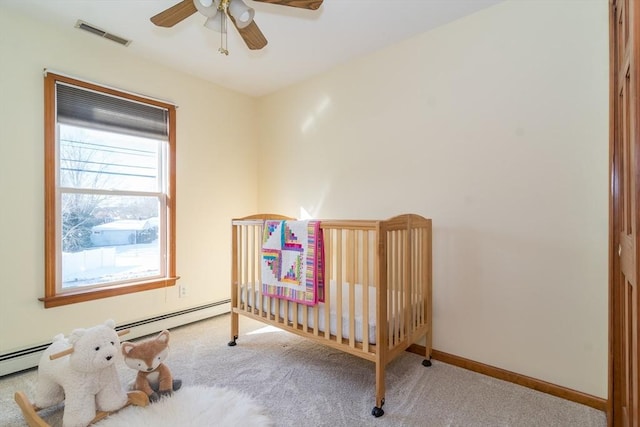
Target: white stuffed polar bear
{"x":87,"y":379}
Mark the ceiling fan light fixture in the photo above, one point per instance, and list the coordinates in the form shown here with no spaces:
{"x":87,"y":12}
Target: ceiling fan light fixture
{"x":208,"y":8}
{"x":242,"y":14}
{"x":238,"y":12}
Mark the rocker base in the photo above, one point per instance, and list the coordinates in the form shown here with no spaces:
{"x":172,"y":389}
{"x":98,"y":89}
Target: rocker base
{"x":30,"y":411}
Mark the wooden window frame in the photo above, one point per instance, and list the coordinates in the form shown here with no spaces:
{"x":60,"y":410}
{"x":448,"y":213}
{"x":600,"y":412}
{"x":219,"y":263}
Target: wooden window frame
{"x":52,"y":297}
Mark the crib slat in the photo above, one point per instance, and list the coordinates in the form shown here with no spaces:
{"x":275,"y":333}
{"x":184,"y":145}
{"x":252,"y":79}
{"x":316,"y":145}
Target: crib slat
{"x":406,"y":307}
{"x":391,"y":286}
{"x":419,"y":279}
{"x":421,"y":275}
{"x":394,"y":287}
{"x":248,"y":241}
{"x":305,"y":318}
{"x":251,"y":259}
{"x":397,"y":287}
{"x":243,"y":273}
{"x":316,"y":313}
{"x":339,"y":261}
{"x":329,"y":245}
{"x":365,"y":290}
{"x":352,"y":256}
{"x":393,"y":283}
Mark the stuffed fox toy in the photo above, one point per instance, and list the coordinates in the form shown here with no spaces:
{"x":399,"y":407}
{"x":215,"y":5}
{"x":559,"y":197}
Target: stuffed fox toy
{"x":154,"y":377}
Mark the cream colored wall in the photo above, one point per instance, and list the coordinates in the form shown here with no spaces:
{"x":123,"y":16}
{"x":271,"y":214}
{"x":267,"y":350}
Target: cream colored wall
{"x":495,"y":126}
{"x":216,"y":177}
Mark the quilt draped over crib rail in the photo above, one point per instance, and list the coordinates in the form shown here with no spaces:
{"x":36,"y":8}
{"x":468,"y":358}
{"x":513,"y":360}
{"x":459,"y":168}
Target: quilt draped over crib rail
{"x":292,"y":264}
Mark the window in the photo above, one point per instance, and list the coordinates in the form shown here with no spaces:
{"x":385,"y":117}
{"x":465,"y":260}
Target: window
{"x":109,"y":192}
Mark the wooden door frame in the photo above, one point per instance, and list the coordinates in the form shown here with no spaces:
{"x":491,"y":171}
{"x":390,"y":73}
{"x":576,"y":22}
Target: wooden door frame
{"x":614,"y":196}
{"x":614,"y":227}
{"x":613,"y":403}
{"x":616,"y":371}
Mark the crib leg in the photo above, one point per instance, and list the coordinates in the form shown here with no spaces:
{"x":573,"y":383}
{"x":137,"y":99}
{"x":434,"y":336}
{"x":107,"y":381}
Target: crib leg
{"x":380,"y":389}
{"x":235,"y":327}
{"x":427,"y":361}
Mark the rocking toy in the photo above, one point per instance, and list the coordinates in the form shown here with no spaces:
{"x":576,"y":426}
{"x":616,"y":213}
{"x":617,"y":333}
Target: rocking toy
{"x":80,"y":370}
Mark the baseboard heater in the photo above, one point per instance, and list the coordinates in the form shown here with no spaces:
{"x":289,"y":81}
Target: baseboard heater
{"x":28,"y":358}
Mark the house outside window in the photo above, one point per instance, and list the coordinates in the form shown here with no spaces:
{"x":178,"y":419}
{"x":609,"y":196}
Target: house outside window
{"x":109,"y":192}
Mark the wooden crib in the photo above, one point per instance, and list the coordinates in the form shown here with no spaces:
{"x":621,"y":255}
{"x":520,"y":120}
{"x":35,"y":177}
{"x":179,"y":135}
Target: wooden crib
{"x":377,"y":273}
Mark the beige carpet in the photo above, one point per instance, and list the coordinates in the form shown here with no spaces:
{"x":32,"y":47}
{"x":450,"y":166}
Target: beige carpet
{"x":305,"y":384}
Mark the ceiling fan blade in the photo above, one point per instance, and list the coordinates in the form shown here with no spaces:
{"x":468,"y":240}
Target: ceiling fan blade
{"x":251,"y":35}
{"x":175,"y":14}
{"x":302,"y":4}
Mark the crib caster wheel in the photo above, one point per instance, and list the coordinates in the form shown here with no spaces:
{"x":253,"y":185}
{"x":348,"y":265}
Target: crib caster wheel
{"x":232,"y":342}
{"x":426,"y":362}
{"x":377,"y":412}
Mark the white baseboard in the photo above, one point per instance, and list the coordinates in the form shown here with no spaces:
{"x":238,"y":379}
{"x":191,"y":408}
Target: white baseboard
{"x":30,"y":357}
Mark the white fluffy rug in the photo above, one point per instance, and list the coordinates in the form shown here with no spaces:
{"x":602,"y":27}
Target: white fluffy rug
{"x":193,"y":406}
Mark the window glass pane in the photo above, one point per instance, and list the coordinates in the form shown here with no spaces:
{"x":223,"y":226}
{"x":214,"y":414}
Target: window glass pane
{"x":107,"y":239}
{"x":94,"y":159}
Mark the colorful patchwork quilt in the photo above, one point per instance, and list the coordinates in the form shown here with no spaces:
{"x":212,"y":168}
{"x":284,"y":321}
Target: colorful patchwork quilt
{"x":293,"y":261}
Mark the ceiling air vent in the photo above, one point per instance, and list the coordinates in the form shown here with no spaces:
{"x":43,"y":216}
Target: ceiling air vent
{"x":98,"y":32}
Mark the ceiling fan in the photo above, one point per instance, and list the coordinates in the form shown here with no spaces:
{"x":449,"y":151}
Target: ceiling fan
{"x":238,"y":12}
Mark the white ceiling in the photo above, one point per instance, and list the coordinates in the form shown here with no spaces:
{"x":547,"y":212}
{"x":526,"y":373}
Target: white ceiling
{"x":302,"y":43}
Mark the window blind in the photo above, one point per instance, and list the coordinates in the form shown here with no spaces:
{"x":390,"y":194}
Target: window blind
{"x":81,"y":107}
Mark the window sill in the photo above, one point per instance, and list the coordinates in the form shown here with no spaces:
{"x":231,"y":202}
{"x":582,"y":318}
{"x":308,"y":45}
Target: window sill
{"x":94,"y":294}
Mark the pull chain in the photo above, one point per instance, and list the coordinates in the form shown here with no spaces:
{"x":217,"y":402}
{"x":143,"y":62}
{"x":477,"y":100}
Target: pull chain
{"x":223,"y":37}
{"x":223,"y":29}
